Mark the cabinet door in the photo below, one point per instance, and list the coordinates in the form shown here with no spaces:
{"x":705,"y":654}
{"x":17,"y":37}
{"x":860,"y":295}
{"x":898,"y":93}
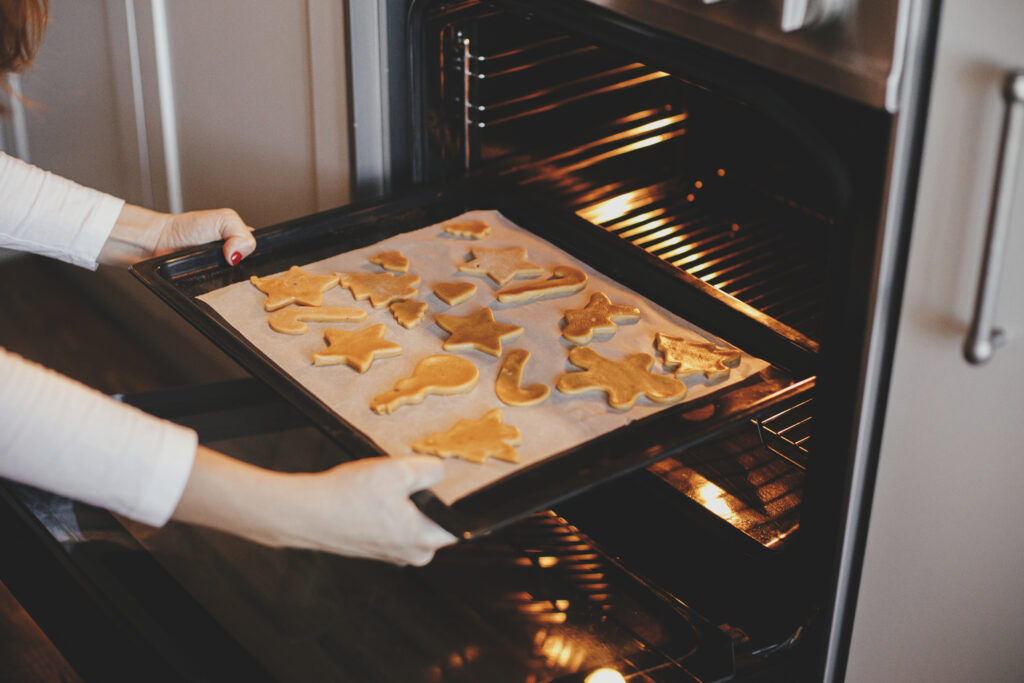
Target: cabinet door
{"x":193,"y":104}
{"x":942,"y":591}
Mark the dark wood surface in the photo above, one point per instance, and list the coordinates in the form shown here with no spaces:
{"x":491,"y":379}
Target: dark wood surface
{"x":51,"y":321}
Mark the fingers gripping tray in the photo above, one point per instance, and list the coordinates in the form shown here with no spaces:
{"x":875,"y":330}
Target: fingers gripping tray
{"x":618,"y":397}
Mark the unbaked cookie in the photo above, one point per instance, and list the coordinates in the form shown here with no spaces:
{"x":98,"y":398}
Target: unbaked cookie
{"x":454,"y":293}
{"x":697,"y":357}
{"x":295,"y":286}
{"x":510,"y":377}
{"x":566,"y":280}
{"x":501,"y":265}
{"x":358,"y":349}
{"x":623,"y":381}
{"x":380,"y":288}
{"x":408,"y":313}
{"x":293,"y":320}
{"x":442,"y":374}
{"x":599,"y":315}
{"x":474,"y":440}
{"x":473,"y":230}
{"x":391,"y":260}
{"x":477,"y":331}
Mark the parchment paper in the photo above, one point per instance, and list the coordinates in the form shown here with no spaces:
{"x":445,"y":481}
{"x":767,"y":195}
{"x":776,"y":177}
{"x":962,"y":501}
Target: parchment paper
{"x":559,"y":423}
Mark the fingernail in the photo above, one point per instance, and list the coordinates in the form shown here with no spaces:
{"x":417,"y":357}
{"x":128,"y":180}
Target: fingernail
{"x":235,"y":257}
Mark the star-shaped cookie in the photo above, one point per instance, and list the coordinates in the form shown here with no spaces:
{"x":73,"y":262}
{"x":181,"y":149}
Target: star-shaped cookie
{"x":623,"y":381}
{"x":391,"y":260}
{"x":295,"y":286}
{"x":358,"y":349}
{"x":477,"y":331}
{"x":599,"y":315}
{"x":474,"y":440}
{"x":501,"y":265}
{"x":380,"y":288}
{"x":697,"y":357}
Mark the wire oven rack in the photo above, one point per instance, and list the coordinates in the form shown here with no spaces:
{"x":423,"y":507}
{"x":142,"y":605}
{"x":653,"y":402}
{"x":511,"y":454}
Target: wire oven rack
{"x":787,"y":433}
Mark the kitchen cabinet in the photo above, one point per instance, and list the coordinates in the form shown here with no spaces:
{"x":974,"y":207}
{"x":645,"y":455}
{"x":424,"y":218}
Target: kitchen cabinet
{"x":190,"y":104}
{"x":942,"y":591}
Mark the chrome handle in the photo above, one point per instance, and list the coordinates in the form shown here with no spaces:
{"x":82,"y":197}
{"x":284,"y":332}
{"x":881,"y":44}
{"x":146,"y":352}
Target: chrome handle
{"x":984,"y":337}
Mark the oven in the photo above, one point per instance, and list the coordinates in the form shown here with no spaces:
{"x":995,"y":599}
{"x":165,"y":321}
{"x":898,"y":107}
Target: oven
{"x":754,"y":162}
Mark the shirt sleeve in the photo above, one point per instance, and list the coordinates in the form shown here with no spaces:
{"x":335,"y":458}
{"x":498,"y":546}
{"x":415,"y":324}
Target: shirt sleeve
{"x":64,"y":437}
{"x":52,"y":216}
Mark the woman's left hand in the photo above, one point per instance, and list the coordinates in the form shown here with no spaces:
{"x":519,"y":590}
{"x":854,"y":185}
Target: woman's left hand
{"x":198,"y":227}
{"x":140,"y":234}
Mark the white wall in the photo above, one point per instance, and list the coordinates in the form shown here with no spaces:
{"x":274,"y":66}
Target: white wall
{"x":258,"y":100}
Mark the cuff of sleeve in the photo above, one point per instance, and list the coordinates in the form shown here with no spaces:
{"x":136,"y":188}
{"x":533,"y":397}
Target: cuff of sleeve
{"x":97,"y":225}
{"x":173,"y":462}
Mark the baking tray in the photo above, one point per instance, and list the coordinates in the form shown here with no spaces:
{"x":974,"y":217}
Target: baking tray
{"x":180,"y":277}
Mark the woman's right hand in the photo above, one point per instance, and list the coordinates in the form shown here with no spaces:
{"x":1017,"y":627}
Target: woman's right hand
{"x":362,"y":509}
{"x":359,"y":509}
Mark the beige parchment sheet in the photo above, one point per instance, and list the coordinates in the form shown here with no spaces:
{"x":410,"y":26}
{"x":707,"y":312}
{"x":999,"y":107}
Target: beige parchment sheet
{"x":548,"y":428}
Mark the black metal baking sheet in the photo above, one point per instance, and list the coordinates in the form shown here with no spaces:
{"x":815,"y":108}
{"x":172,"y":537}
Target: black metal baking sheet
{"x":180,"y":277}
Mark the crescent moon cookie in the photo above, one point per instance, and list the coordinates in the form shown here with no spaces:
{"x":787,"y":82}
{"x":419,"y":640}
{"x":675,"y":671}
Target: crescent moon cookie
{"x":599,"y":315}
{"x":408,"y":313}
{"x":293,"y":320}
{"x":380,"y":288}
{"x":714,"y":362}
{"x":474,"y":440}
{"x":441,"y":375}
{"x":477,"y":331}
{"x":391,"y":260}
{"x":566,"y":280}
{"x":473,"y":230}
{"x":358,"y":349}
{"x":623,"y":381}
{"x":454,"y":293}
{"x":295,"y":286}
{"x":501,"y":265}
{"x":508,"y":386}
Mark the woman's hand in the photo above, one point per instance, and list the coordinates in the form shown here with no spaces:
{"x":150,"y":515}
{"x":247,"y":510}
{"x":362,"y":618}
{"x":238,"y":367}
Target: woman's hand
{"x":199,"y":227}
{"x":140,"y":233}
{"x":359,"y":509}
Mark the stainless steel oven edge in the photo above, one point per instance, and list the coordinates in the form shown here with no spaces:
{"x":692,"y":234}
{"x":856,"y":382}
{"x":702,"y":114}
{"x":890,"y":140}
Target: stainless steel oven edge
{"x":885,"y":309}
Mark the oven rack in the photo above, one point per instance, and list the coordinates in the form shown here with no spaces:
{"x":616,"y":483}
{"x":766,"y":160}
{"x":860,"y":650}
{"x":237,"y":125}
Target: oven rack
{"x":787,"y":433}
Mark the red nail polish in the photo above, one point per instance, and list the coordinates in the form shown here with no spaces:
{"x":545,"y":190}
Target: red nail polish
{"x":235,"y":258}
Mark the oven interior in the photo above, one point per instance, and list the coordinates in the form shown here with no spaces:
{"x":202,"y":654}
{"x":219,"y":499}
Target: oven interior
{"x":752,"y":186}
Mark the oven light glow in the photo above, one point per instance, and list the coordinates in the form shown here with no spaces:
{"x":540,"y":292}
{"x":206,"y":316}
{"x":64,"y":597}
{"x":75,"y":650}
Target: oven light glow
{"x":713,"y":498}
{"x":605,"y":676}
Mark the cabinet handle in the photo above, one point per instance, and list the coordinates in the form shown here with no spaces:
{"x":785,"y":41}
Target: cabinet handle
{"x":984,"y":337}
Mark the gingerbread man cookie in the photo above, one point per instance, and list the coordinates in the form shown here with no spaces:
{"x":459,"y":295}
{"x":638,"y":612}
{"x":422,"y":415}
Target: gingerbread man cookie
{"x":477,"y":331}
{"x":441,"y":375}
{"x":599,"y":315}
{"x":295,"y":286}
{"x":510,"y":377}
{"x":357,"y":349}
{"x":293,"y":320}
{"x":391,"y":260}
{"x":623,"y":381}
{"x":474,"y":440}
{"x":501,"y":265}
{"x":454,"y":293}
{"x":697,"y":357}
{"x":408,"y":313}
{"x":380,"y":288}
{"x":566,"y":280}
{"x":473,"y":230}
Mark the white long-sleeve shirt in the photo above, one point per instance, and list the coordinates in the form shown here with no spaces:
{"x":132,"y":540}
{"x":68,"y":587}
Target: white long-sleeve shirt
{"x":55,"y":433}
